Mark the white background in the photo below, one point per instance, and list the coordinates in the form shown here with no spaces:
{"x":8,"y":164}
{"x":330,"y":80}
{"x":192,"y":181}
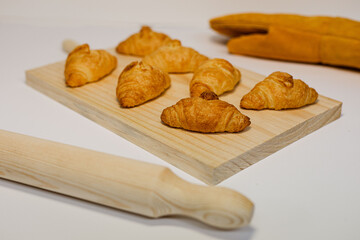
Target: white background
{"x":308,"y":190}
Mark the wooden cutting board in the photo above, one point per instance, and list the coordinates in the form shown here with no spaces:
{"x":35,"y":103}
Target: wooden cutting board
{"x":211,"y":158}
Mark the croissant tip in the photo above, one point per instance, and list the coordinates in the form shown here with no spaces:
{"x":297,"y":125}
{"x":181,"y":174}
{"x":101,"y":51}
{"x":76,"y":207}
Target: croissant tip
{"x":145,"y":27}
{"x":127,"y":102}
{"x":247,"y":121}
{"x":119,"y":48}
{"x":209,"y":95}
{"x":252,"y":101}
{"x":75,"y":80}
{"x":164,"y":115}
{"x":244,"y":103}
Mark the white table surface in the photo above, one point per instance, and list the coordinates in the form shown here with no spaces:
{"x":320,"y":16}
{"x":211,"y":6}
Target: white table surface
{"x":308,"y":190}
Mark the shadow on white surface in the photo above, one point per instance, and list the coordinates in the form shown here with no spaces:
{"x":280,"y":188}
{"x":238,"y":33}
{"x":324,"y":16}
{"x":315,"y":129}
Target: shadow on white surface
{"x":244,"y":233}
{"x":219,"y":39}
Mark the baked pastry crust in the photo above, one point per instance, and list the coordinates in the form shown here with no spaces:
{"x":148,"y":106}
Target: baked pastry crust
{"x":139,"y":82}
{"x":209,"y":95}
{"x":313,"y":39}
{"x":84,"y":65}
{"x":279,"y":91}
{"x":234,"y":25}
{"x":216,"y":75}
{"x":142,"y":43}
{"x":206,"y":116}
{"x":174,"y":58}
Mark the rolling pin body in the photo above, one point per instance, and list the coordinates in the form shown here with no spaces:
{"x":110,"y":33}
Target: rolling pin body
{"x":125,"y":184}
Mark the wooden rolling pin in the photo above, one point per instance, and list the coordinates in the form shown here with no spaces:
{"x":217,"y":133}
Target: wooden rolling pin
{"x":130,"y":185}
{"x":68,"y":45}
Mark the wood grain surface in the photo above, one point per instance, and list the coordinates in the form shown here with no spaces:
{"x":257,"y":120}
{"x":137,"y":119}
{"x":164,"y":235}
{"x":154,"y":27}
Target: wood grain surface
{"x":211,"y":158}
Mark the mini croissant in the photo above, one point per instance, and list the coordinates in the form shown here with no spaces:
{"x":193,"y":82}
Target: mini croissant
{"x":84,"y":65}
{"x":139,"y":83}
{"x":279,"y":91}
{"x":142,"y":43}
{"x":216,"y":75}
{"x":207,"y":116}
{"x":174,"y":58}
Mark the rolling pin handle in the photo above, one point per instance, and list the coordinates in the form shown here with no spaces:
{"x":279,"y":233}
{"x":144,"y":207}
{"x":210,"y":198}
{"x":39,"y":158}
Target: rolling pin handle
{"x":68,"y":45}
{"x":216,"y":206}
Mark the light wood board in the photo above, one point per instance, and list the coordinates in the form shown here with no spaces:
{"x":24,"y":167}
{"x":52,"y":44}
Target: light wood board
{"x":211,"y":158}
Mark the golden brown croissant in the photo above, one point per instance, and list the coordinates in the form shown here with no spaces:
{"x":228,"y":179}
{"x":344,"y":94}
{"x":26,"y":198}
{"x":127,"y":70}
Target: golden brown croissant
{"x":216,"y":75}
{"x":142,"y":43}
{"x":84,"y":65}
{"x":174,"y":58}
{"x":139,"y":83}
{"x":279,"y":91}
{"x":207,"y":116}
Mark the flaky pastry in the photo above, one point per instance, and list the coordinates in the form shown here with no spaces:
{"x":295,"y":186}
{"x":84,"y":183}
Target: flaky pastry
{"x":139,"y":83}
{"x":174,"y":58}
{"x":84,"y":65}
{"x":216,"y":75}
{"x":279,"y":91}
{"x":142,"y":43}
{"x":207,"y":116}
